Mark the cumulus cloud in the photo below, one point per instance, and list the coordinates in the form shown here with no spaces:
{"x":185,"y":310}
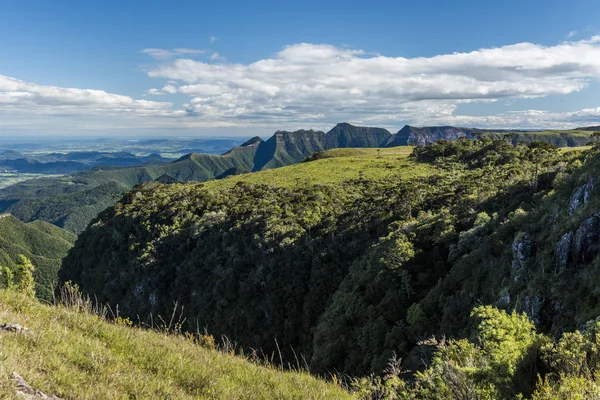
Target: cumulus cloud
{"x":526,"y":119}
{"x":20,"y":96}
{"x":163,"y":54}
{"x":306,"y":81}
{"x":217,"y":57}
{"x":318,"y":85}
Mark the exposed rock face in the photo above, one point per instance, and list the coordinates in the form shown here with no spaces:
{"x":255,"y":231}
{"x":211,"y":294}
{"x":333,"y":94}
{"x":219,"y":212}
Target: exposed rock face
{"x":285,"y":148}
{"x":581,"y":195}
{"x":522,"y":249}
{"x":346,"y":135}
{"x":504,"y":300}
{"x":532,"y":307}
{"x":562,"y":251}
{"x":411,"y":135}
{"x":586,"y":241}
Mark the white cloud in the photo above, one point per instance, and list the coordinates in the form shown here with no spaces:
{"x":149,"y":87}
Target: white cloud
{"x":537,"y":119}
{"x":217,"y":57}
{"x":316,"y":86}
{"x":307,"y":82}
{"x":24,"y":97}
{"x":163,"y":54}
{"x":212,"y":39}
{"x":571,"y":34}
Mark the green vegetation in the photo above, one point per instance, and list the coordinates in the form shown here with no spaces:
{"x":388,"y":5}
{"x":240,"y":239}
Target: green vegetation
{"x":74,"y":354}
{"x":20,"y":278}
{"x":507,"y":360}
{"x":351,"y":270}
{"x":72,"y":201}
{"x":336,"y":166}
{"x":461,"y":269}
{"x":42,"y":243}
{"x":11,"y":178}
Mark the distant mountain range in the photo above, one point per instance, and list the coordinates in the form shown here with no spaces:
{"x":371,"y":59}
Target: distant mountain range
{"x":72,"y":201}
{"x":67,"y":163}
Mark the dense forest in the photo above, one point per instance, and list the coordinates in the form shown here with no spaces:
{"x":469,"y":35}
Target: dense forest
{"x":351,"y":273}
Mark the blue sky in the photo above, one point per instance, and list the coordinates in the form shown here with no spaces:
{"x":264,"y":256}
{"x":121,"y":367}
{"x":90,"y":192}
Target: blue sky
{"x":244,"y":68}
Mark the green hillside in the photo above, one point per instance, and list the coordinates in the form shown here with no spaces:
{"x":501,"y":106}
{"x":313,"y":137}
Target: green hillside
{"x":336,"y":166}
{"x":78,"y":355}
{"x":347,"y":271}
{"x":285,"y":148}
{"x":72,"y":201}
{"x":44,"y":244}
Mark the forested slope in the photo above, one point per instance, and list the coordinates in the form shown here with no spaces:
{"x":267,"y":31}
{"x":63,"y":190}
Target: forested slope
{"x":42,"y":243}
{"x":349,"y":272}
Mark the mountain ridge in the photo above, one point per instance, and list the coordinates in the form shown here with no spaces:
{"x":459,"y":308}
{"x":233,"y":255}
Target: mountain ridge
{"x":36,"y":199}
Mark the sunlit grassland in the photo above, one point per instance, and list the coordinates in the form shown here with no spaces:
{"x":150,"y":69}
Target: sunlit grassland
{"x":78,"y":355}
{"x":9,"y":178}
{"x":337,"y":166}
{"x":578,"y":148}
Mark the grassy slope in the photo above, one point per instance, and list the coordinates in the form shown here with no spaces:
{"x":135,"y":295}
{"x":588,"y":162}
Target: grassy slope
{"x":44,"y":244}
{"x":336,"y":166}
{"x":77,"y":355}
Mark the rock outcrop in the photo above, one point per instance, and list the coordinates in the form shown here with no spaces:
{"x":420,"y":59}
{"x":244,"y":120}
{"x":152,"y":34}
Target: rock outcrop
{"x":532,"y":307}
{"x":16,"y":328}
{"x":25,"y":390}
{"x":581,"y":195}
{"x":522,"y":249}
{"x":562,"y":251}
{"x":414,"y":136}
{"x":586,"y":241}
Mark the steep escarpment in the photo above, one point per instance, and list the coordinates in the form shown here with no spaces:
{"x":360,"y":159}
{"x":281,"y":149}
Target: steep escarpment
{"x":286,"y":148}
{"x":350,"y":273}
{"x":414,"y":136}
{"x":345,"y":135}
{"x":72,"y":201}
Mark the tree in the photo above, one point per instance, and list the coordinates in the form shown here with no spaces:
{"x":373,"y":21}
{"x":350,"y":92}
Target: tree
{"x":509,"y":137}
{"x":6,"y":277}
{"x":23,"y":276}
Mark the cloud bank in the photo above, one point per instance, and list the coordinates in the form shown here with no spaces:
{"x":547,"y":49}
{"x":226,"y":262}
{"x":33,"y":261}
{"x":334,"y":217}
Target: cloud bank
{"x":317,"y":85}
